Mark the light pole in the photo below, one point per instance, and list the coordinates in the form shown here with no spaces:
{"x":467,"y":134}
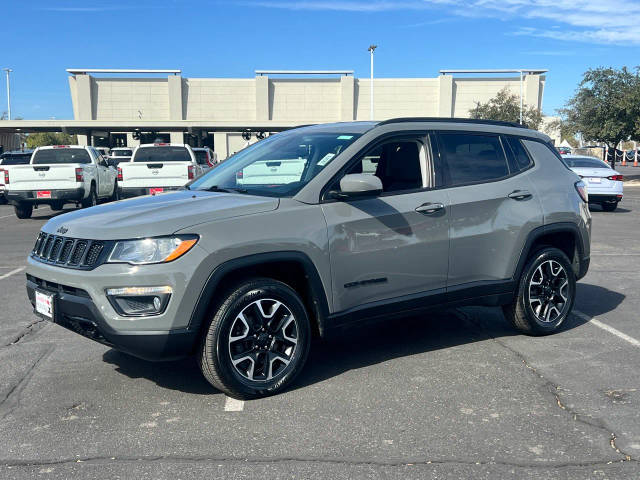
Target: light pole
{"x":371,"y":50}
{"x":8,"y":70}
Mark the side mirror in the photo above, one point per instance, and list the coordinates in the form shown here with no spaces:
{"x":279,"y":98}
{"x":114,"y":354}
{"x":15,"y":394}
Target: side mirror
{"x":358,"y":185}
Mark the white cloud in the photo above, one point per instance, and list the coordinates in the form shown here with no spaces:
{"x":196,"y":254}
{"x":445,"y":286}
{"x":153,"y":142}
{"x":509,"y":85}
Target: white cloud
{"x":592,"y":21}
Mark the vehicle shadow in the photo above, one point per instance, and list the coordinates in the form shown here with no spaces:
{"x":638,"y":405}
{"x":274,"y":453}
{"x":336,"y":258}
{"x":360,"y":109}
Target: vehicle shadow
{"x":47,"y":214}
{"x":598,"y":208}
{"x":372,"y":344}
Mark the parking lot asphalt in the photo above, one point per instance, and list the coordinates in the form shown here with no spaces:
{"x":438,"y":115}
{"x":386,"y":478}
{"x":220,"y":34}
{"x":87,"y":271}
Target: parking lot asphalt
{"x":451,"y":394}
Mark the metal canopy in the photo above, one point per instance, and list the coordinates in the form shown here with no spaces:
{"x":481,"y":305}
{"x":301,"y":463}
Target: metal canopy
{"x":532,"y":71}
{"x":75,"y":71}
{"x":304,"y":72}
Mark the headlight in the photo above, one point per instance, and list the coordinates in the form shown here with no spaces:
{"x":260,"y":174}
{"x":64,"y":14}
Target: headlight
{"x":151,"y":250}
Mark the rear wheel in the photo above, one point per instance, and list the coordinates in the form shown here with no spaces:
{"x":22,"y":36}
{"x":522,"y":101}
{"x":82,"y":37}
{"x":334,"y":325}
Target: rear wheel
{"x":609,"y":207}
{"x":258,"y":340}
{"x":115,"y":196}
{"x":23,"y":210}
{"x":92,"y":199}
{"x":546,"y":293}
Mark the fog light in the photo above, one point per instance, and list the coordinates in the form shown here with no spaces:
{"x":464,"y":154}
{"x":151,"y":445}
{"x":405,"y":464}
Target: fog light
{"x":139,"y":301}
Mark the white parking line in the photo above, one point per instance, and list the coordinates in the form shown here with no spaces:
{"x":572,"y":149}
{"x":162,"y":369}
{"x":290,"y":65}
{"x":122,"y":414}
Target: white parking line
{"x":233,"y":405}
{"x":12,"y":272}
{"x":607,"y":328}
{"x":7,"y":216}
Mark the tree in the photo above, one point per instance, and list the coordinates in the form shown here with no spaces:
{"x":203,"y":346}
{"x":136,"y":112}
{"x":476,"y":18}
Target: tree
{"x":606,"y":106}
{"x":505,"y":106}
{"x":566,"y":131}
{"x":50,"y":138}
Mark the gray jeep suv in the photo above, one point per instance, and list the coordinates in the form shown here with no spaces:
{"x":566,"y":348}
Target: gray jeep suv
{"x":314,"y":229}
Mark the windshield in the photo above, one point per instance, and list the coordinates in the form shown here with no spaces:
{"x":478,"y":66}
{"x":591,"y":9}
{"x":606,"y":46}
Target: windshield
{"x":585,"y":163}
{"x":121,"y":153}
{"x":15,"y":158}
{"x":278,"y":166}
{"x":162,"y":154}
{"x":61,"y":155}
{"x":201,"y":156}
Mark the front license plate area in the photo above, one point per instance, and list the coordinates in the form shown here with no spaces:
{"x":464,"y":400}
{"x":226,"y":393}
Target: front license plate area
{"x":43,"y":194}
{"x":45,"y":305}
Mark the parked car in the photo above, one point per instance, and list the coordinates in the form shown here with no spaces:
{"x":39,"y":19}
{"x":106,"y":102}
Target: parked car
{"x":604,"y":184}
{"x":120,"y":154}
{"x":7,"y":161}
{"x":156,"y":168}
{"x":241,"y":275}
{"x":57,"y":175}
{"x":205,"y":157}
{"x":564,"y":150}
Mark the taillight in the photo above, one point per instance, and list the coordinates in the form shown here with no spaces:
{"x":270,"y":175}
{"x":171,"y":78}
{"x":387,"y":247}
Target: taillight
{"x":239,"y":174}
{"x":581,"y":188}
{"x":6,"y":176}
{"x":79,"y":175}
{"x":617,"y":178}
{"x":209,"y":160}
{"x":120,"y":174}
{"x":192,"y":171}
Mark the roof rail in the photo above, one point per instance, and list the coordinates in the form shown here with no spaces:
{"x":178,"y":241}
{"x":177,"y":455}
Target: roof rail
{"x":453,"y":120}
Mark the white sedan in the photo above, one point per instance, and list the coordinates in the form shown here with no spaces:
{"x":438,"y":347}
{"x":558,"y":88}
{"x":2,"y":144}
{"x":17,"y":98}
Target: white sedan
{"x":604,"y":184}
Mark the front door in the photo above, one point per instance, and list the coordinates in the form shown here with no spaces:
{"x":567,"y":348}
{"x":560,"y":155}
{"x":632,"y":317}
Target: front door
{"x":394,"y":245}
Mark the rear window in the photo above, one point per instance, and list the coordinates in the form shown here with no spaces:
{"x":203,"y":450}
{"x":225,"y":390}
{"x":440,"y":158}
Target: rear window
{"x":61,"y":155}
{"x":201,"y":156}
{"x":162,"y":154}
{"x":121,"y":153}
{"x":15,"y":159}
{"x":584,"y":163}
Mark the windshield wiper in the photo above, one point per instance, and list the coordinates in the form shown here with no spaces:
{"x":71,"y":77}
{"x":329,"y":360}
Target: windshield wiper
{"x":215,"y":188}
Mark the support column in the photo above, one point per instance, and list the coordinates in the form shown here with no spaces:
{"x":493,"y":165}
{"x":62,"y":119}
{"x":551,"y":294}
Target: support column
{"x":176,"y":137}
{"x":445,"y":96}
{"x":175,"y":97}
{"x":85,"y":101}
{"x":83,"y":140}
{"x":131,"y":142}
{"x":262,"y":98}
{"x":220,"y":145}
{"x":532,"y":91}
{"x":347,"y":95}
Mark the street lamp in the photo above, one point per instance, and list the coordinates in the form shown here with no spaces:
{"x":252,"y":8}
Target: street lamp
{"x":8,"y":71}
{"x":371,"y":49}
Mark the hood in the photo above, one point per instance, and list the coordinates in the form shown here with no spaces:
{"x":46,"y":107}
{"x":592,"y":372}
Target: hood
{"x":594,"y":172}
{"x":151,"y":216}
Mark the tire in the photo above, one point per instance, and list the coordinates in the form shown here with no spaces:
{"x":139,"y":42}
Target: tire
{"x":3,"y":200}
{"x":609,"y":207}
{"x":557,"y":291}
{"x":115,"y":196}
{"x":23,"y":211}
{"x":92,"y":199}
{"x":275,"y":338}
{"x":57,"y":205}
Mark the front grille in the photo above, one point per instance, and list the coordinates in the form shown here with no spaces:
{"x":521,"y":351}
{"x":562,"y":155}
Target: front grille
{"x":69,"y":252}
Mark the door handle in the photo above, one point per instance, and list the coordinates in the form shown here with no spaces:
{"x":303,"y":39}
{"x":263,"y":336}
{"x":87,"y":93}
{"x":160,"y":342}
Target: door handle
{"x":520,"y":194}
{"x":429,"y":208}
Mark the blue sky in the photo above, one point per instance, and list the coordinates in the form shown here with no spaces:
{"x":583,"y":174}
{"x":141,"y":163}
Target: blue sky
{"x":416,"y":38}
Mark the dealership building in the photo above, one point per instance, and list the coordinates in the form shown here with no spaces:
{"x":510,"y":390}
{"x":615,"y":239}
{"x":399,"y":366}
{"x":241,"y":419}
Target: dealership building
{"x":127,"y":107}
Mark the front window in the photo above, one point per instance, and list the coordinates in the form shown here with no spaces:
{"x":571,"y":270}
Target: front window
{"x":201,"y":157}
{"x":61,"y":155}
{"x":278,"y":166}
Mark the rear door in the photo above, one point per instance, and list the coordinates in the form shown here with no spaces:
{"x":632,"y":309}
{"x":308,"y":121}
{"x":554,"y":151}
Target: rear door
{"x":493,"y":208}
{"x":157,"y":166}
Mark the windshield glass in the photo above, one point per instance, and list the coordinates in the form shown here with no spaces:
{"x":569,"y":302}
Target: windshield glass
{"x":585,"y":163}
{"x":15,"y":158}
{"x":162,"y":154}
{"x":278,"y":166}
{"x":61,"y":155}
{"x":121,"y":153}
{"x":201,"y":156}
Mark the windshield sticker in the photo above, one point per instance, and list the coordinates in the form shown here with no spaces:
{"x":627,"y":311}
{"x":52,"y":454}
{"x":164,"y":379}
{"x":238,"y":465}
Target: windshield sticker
{"x":326,"y":159}
{"x":345,"y":137}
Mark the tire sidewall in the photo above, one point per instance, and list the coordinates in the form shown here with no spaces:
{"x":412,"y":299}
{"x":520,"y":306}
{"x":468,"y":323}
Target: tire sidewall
{"x":534,"y":263}
{"x":243,"y":297}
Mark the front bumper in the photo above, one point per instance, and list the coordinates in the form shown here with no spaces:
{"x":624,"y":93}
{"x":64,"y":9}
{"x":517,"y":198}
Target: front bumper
{"x":30,"y":196}
{"x":81,"y":303}
{"x":129,"y":192}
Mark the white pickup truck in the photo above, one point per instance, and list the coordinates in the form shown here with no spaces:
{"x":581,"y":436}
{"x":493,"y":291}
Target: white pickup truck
{"x":60,"y":174}
{"x":156,"y":168}
{"x":8,"y":160}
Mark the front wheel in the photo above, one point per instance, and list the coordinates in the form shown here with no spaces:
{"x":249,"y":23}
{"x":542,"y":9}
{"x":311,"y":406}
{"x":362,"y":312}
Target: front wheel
{"x":257,"y":341}
{"x":546,"y":293}
{"x":23,"y":211}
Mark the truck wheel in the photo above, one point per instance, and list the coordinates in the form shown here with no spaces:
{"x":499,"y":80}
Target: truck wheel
{"x":115,"y":196}
{"x":546,"y":293}
{"x":23,"y":211}
{"x":257,"y":341}
{"x":91,"y":200}
{"x":57,"y":205}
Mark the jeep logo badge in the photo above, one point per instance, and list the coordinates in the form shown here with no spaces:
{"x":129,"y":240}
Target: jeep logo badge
{"x":62,"y":230}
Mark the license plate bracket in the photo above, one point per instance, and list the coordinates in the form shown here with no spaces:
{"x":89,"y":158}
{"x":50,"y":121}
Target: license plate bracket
{"x":45,"y":305}
{"x":153,"y":191}
{"x":43,"y":194}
